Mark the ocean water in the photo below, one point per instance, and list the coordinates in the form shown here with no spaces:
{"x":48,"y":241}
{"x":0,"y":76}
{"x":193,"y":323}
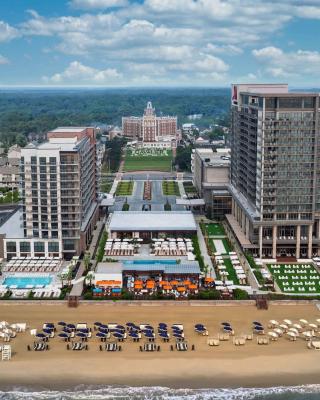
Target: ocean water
{"x":308,"y":392}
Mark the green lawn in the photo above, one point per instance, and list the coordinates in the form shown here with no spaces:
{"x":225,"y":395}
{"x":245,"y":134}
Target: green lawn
{"x":124,"y":188}
{"x":8,"y":196}
{"x":170,"y":188}
{"x":148,"y":160}
{"x":214,"y":229}
{"x":189,"y":188}
{"x":305,"y":276}
{"x":231,"y":271}
{"x":105,"y":187}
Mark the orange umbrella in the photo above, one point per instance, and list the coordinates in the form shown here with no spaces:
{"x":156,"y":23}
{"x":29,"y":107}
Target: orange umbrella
{"x":138,"y":282}
{"x":208,"y":279}
{"x":181,"y":289}
{"x":193,"y":287}
{"x":167,"y":287}
{"x":187,"y":283}
{"x":164,"y":283}
{"x":150,"y":285}
{"x":174,"y":283}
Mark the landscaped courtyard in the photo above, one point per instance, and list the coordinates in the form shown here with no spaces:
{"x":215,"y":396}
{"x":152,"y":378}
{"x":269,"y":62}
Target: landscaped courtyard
{"x":170,"y":188}
{"x":296,"y":278}
{"x":214,"y":229}
{"x":124,"y":188}
{"x":148,"y":159}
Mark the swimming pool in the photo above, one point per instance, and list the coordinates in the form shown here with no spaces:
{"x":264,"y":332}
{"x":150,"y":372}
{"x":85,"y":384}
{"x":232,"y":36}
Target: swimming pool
{"x":142,"y":262}
{"x":27,"y":282}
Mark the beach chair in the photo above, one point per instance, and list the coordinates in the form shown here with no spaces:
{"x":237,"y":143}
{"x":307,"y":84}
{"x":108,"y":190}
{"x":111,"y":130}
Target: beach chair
{"x":181,"y":346}
{"x":213,"y":342}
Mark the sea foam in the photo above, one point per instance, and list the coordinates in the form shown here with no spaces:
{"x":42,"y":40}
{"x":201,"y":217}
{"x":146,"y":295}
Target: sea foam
{"x":307,"y":392}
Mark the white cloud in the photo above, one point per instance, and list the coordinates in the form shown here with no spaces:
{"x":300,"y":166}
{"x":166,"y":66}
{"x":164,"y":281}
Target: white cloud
{"x":97,"y":4}
{"x":173,"y":39}
{"x":7,"y":32}
{"x":77,"y":73}
{"x":3,"y":60}
{"x":280,"y":64}
{"x":228,"y":49}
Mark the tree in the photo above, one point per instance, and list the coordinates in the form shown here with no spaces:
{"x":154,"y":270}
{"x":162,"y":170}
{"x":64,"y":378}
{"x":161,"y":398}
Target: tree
{"x":86,"y":260}
{"x":21,"y":140}
{"x":183,"y":158}
{"x":90,"y":277}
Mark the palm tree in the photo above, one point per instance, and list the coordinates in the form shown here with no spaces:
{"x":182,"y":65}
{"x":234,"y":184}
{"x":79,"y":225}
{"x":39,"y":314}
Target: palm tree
{"x":86,"y":260}
{"x":90,"y":277}
{"x":206,"y":270}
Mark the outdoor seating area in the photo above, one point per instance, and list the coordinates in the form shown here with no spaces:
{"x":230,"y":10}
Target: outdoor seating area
{"x":10,"y":331}
{"x":308,"y":331}
{"x":33,"y":264}
{"x":122,"y":247}
{"x":178,"y":288}
{"x":296,"y":278}
{"x":173,"y":247}
{"x":230,"y":269}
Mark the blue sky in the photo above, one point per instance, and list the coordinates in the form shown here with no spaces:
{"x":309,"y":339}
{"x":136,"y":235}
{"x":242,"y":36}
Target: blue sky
{"x":159,"y":42}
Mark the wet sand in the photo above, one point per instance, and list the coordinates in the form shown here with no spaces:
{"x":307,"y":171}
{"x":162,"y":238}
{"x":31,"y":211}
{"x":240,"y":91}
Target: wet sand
{"x":280,"y":363}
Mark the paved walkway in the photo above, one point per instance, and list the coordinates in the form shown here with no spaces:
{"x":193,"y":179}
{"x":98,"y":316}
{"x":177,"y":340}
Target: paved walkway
{"x":181,"y":189}
{"x":204,"y":252}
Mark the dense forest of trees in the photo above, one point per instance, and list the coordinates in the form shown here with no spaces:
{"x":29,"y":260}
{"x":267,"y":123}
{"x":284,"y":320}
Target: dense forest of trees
{"x":37,"y":111}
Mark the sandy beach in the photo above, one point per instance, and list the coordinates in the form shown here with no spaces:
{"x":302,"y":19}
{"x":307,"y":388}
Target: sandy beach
{"x":281,"y":363}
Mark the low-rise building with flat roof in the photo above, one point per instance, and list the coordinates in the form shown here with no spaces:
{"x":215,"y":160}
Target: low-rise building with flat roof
{"x":151,"y":224}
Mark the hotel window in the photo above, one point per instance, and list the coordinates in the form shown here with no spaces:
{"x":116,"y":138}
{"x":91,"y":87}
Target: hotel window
{"x":39,"y":247}
{"x":33,"y":160}
{"x":11,"y":247}
{"x":42,"y":160}
{"x":52,"y":160}
{"x":25,"y":247}
{"x":53,"y":247}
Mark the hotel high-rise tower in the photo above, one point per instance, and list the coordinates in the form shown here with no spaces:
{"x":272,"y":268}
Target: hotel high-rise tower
{"x":275,"y":172}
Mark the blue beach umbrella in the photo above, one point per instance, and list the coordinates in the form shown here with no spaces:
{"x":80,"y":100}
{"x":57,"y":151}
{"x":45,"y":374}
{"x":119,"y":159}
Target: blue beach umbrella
{"x":47,"y":331}
{"x":62,"y":323}
{"x":227,"y":328}
{"x":63,"y":335}
{"x":71,"y":326}
{"x":258,"y":328}
{"x":101,"y":335}
{"x":81,"y":334}
{"x":40,"y":335}
{"x":117,"y":335}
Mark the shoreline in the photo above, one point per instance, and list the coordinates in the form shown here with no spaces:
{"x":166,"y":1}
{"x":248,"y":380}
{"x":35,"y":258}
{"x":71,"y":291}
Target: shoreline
{"x":282,"y":363}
